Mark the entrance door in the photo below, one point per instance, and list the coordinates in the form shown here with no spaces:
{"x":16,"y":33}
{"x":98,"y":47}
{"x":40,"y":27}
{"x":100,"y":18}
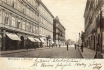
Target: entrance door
{"x":22,"y":43}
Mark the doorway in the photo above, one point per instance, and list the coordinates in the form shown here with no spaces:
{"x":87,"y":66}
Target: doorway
{"x":22,"y":43}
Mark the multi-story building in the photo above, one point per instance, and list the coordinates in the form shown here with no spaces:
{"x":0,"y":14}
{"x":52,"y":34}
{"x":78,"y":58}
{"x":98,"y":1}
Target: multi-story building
{"x":20,"y":25}
{"x":46,"y":23}
{"x":58,"y":32}
{"x":94,"y":25}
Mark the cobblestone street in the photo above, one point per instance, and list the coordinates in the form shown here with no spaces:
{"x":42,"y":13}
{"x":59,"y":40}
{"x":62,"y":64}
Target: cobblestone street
{"x":55,"y":52}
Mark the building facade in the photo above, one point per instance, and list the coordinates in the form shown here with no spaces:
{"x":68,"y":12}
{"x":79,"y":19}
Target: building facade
{"x":20,"y":25}
{"x":46,"y":23}
{"x":58,"y":32}
{"x":94,"y":24}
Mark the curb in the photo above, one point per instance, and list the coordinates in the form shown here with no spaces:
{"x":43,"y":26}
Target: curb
{"x":15,"y":52}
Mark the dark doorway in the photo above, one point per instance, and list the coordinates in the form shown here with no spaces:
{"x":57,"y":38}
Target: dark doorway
{"x":22,"y":43}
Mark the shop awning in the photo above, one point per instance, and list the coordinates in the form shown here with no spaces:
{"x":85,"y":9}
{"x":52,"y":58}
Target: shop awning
{"x":31,"y":39}
{"x":37,"y":39}
{"x":52,"y":42}
{"x":13,"y":36}
{"x":42,"y":40}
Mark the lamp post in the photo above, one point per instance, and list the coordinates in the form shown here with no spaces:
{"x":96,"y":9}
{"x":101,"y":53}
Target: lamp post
{"x":79,"y":40}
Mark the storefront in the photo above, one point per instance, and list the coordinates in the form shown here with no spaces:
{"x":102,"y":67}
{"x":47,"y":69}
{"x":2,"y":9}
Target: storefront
{"x":42,"y":42}
{"x":31,"y":42}
{"x":12,"y":41}
{"x":37,"y":42}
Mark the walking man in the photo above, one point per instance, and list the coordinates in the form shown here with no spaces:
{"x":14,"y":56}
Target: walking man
{"x":75,"y":46}
{"x":82,"y":47}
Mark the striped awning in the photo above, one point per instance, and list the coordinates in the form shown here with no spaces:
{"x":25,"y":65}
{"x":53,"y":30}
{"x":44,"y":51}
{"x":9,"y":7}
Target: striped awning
{"x":32,"y":39}
{"x":42,"y":40}
{"x":13,"y":36}
{"x":37,"y":39}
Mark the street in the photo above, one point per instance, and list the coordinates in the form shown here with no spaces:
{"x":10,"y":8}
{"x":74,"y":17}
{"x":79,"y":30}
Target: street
{"x":46,"y":52}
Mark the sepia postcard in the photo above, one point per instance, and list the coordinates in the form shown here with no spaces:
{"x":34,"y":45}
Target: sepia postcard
{"x":51,"y":34}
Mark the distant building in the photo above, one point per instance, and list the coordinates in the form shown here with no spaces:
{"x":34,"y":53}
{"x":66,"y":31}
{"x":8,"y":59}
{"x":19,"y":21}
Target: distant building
{"x":58,"y":32}
{"x":23,"y":23}
{"x":94,"y":24}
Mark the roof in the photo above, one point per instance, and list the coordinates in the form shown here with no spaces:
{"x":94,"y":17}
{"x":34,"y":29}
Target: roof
{"x":45,"y":7}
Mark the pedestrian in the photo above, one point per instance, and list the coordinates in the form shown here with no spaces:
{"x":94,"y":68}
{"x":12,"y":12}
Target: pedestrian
{"x":67,"y":47}
{"x":98,"y":53}
{"x":56,"y":45}
{"x":59,"y":45}
{"x":82,"y":47}
{"x":75,"y":46}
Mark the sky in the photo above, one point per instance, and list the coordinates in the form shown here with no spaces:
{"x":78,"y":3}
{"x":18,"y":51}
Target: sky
{"x":70,"y":14}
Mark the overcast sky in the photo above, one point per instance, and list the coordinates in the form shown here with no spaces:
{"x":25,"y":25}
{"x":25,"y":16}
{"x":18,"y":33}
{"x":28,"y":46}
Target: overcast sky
{"x":70,"y":13}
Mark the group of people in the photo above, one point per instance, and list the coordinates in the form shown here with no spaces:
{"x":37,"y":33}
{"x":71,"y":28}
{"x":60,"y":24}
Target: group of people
{"x":74,"y":45}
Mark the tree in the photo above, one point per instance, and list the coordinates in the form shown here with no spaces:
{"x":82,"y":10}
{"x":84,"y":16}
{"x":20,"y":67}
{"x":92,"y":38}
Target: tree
{"x":68,"y":42}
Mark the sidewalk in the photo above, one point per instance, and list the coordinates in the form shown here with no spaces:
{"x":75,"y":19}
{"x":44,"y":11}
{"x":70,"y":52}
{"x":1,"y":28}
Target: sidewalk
{"x":18,"y":51}
{"x":88,"y":53}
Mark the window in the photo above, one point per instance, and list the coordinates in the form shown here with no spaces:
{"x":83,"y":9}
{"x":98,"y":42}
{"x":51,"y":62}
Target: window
{"x":31,"y":27}
{"x":34,"y":28}
{"x":19,"y":6}
{"x":24,"y":9}
{"x":13,"y":22}
{"x":9,"y":2}
{"x":23,"y":25}
{"x":6,"y":21}
{"x":27,"y":26}
{"x":19,"y":24}
{"x":0,"y":16}
{"x":27,"y":11}
{"x":13,"y":3}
